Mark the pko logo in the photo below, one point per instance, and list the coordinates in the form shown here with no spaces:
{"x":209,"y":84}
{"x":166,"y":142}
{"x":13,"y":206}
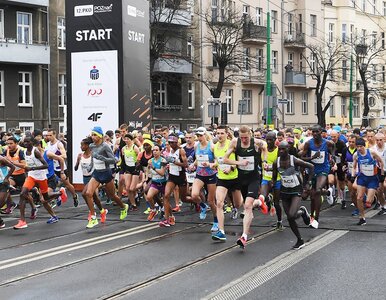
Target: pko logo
{"x":83,"y":10}
{"x":94,"y":73}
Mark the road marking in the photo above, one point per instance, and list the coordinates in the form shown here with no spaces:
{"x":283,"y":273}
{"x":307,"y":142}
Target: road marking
{"x":5,"y":264}
{"x":252,"y":280}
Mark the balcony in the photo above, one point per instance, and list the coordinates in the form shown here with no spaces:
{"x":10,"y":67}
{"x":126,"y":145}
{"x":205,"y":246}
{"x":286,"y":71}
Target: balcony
{"x":12,"y":51}
{"x":173,"y":64}
{"x":254,"y":34}
{"x":253,"y":77}
{"x":44,"y":3}
{"x":294,"y":40}
{"x":168,"y":107}
{"x":294,"y":78}
{"x":171,"y":16}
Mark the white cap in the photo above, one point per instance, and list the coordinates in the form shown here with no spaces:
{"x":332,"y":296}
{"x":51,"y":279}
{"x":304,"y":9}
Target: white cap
{"x":200,"y":130}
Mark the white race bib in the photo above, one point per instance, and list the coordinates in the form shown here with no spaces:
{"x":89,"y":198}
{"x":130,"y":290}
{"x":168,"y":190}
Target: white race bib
{"x":337,"y":159}
{"x":174,"y":169}
{"x":99,"y":164}
{"x":290,"y":181}
{"x":155,"y":175}
{"x":320,"y":159}
{"x":268,"y":172}
{"x":367,"y":170}
{"x":129,"y":161}
{"x":201,"y":159}
{"x":251,"y":163}
{"x":190,"y":177}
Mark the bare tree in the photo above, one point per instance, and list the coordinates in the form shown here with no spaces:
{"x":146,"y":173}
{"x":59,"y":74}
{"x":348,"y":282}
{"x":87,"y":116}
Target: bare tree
{"x":324,"y":63}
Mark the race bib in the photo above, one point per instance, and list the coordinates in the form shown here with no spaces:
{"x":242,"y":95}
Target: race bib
{"x":251,"y":163}
{"x":290,"y":181}
{"x":85,"y":169}
{"x":156,"y":176}
{"x":320,"y":159}
{"x":201,"y":159}
{"x":268,"y":172}
{"x":190,"y":177}
{"x":174,"y":169}
{"x":367,"y":170}
{"x":99,"y":164}
{"x":129,"y":161}
{"x":337,"y":159}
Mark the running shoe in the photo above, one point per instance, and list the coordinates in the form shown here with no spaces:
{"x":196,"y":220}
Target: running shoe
{"x":330,"y":197}
{"x":355,"y":212}
{"x":152,"y":215}
{"x":305,"y":215}
{"x":164,"y":223}
{"x":219,"y":236}
{"x":299,"y":245}
{"x":214,"y":227}
{"x":234,"y":213}
{"x":314,"y":223}
{"x":367,"y":205}
{"x":343,"y":206}
{"x":147,"y":211}
{"x":2,"y":224}
{"x":279,"y":226}
{"x":34,"y":213}
{"x":124,"y":212}
{"x":133,"y":207}
{"x":92,"y":222}
{"x":109,"y":201}
{"x":58,"y":202}
{"x":377,"y":205}
{"x":203,"y":212}
{"x":104,"y":213}
{"x":263,"y":206}
{"x":176,"y":209}
{"x":228,"y":209}
{"x":172,"y":220}
{"x":362,"y":222}
{"x":53,"y":203}
{"x":161,"y":215}
{"x":339,"y":200}
{"x":242,"y":214}
{"x":241,"y":242}
{"x":272,"y":210}
{"x":52,"y":220}
{"x":382,"y":212}
{"x":63,"y":194}
{"x":76,"y":201}
{"x":20,"y":225}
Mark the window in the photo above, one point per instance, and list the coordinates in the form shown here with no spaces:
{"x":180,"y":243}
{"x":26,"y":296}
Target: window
{"x":364,"y":5}
{"x":190,"y":48}
{"x":352,"y":33}
{"x":384,"y":104}
{"x":372,"y":101}
{"x":246,"y":59}
{"x":274,"y":21}
{"x":61,"y":33}
{"x":162,"y":94}
{"x":245,"y":11}
{"x":344,"y":33}
{"x":274,"y":61}
{"x":190,"y":7}
{"x":26,"y":126}
{"x":247,"y":96}
{"x":355,"y":105}
{"x":24,"y":28}
{"x":300,"y":23}
{"x":259,"y":16}
{"x":313,"y":25}
{"x":260,"y":59}
{"x":374,"y":39}
{"x":2,"y":88}
{"x":214,"y":55}
{"x":332,"y":107}
{"x":301,"y":62}
{"x":3,"y":127}
{"x":363,"y":37}
{"x":331,"y":32}
{"x":214,"y":11}
{"x":290,"y":103}
{"x":313,"y":62}
{"x":373,"y":73}
{"x":374,"y":4}
{"x":305,"y":104}
{"x":343,"y":106}
{"x":291,"y":58}
{"x":229,"y":100}
{"x":25,"y":89}
{"x":290,"y":24}
{"x":384,"y":8}
{"x":62,"y":127}
{"x":383,"y":74}
{"x":191,"y":95}
{"x":62,"y":86}
{"x":1,"y":24}
{"x":344,"y":70}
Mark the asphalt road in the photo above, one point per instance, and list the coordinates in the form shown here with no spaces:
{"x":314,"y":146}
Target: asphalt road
{"x":135,"y":259}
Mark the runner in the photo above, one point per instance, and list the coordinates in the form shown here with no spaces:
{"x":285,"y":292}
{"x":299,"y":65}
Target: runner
{"x":226,"y":180}
{"x":249,"y":151}
{"x":102,"y":157}
{"x":6,"y":169}
{"x":380,"y":149}
{"x":291,"y":188}
{"x":317,"y":150}
{"x":350,"y":151}
{"x":367,"y":180}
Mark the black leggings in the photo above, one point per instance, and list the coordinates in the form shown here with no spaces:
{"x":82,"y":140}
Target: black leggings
{"x":291,"y":204}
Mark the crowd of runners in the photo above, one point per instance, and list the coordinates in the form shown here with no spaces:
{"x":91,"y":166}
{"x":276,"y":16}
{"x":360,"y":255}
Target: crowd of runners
{"x":237,"y":171}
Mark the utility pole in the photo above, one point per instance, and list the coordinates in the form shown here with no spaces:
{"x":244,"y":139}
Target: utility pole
{"x":351,"y":91}
{"x":268,"y":92}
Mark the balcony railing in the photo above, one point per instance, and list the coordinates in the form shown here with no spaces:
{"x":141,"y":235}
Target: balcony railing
{"x":294,"y":39}
{"x":254,"y":33}
{"x":173,"y":64}
{"x":29,"y":52}
{"x":295,"y":78}
{"x":168,"y":107}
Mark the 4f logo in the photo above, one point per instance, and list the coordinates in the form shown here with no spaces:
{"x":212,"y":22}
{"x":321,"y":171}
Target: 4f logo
{"x":95,"y":117}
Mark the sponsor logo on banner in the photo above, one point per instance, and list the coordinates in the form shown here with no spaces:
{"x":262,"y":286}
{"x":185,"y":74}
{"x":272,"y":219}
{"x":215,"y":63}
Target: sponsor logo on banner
{"x":94,"y":92}
{"x":135,"y":12}
{"x":95,"y":116}
{"x":93,"y":34}
{"x":136,"y":37}
{"x":89,"y":10}
{"x":83,"y":10}
{"x":94,"y":73}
